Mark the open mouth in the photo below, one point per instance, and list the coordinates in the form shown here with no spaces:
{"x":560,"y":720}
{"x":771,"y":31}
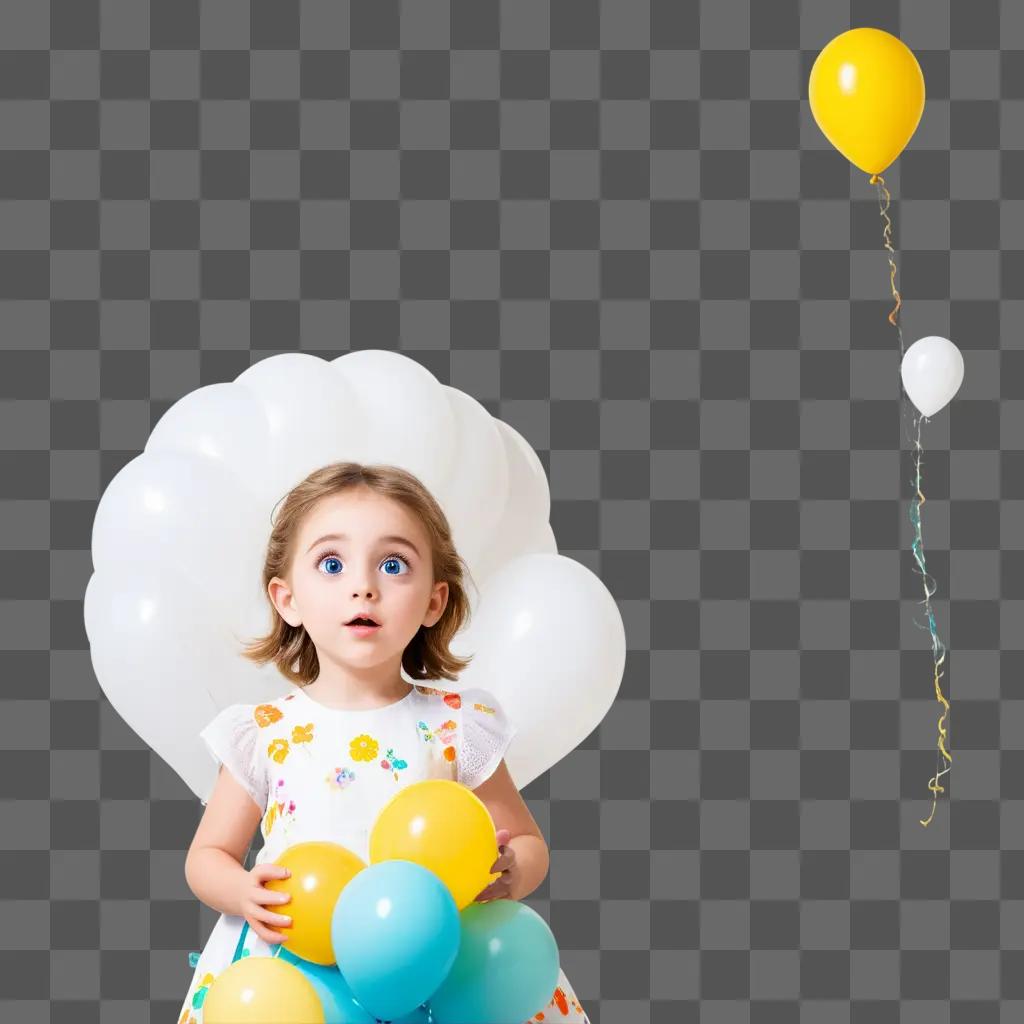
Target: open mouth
{"x":360,"y":620}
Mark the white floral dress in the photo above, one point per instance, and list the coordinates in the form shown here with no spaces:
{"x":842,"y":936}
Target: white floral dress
{"x":322,"y":773}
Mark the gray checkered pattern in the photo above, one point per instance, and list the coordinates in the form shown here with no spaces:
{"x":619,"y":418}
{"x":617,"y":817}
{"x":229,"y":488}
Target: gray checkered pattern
{"x":616,"y":224}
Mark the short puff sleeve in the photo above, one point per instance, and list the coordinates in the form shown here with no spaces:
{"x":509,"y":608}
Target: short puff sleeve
{"x":233,"y":740}
{"x":486,"y":734}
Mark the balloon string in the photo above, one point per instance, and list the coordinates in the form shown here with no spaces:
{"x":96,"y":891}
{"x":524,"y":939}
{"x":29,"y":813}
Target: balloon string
{"x":938,"y":648}
{"x":887,"y":239}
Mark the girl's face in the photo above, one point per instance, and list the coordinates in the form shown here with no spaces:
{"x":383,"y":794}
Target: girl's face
{"x":359,"y":553}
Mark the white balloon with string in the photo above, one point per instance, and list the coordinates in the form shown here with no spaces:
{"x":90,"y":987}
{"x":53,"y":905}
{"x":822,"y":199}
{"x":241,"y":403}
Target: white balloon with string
{"x":932,"y":372}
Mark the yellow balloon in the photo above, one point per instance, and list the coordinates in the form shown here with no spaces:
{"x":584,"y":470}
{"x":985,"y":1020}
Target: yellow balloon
{"x":320,"y":870}
{"x":866,"y":92}
{"x":444,"y":827}
{"x":262,"y":990}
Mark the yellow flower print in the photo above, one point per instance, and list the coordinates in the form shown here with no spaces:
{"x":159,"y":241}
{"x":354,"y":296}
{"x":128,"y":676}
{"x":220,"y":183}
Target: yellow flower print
{"x":363,"y":748}
{"x":269,"y":819}
{"x":303,"y":733}
{"x":266,"y":714}
{"x":278,"y":750}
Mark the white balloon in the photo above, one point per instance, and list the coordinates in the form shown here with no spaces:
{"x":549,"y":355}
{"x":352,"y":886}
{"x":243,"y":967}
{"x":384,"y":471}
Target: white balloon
{"x":479,"y":470}
{"x":408,"y":421}
{"x":313,"y":415}
{"x":180,"y":535}
{"x":167,"y":665}
{"x":221,"y":424}
{"x":528,"y":506}
{"x":549,"y":643}
{"x":176,"y":509}
{"x":932,"y":372}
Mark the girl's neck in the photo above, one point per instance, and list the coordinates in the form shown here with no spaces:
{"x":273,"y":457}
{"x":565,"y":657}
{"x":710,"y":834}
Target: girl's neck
{"x":355,"y":696}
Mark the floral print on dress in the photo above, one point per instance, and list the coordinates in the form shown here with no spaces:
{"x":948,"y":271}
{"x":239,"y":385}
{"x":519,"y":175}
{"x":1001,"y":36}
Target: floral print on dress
{"x":278,"y":749}
{"x":341,"y":778}
{"x":266,"y":714}
{"x":561,"y":1001}
{"x":281,"y":808}
{"x":302,"y":736}
{"x":445,"y":733}
{"x":199,"y":996}
{"x":453,"y":700}
{"x":363,"y":748}
{"x":392,"y":763}
{"x":431,"y":690}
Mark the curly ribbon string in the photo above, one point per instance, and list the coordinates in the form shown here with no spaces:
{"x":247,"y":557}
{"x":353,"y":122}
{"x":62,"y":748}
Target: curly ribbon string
{"x":938,"y":648}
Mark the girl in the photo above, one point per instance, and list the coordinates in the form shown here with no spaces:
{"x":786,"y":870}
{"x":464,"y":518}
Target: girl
{"x":364,"y":581}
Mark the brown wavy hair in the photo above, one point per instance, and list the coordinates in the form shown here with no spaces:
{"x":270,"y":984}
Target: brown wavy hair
{"x":427,"y":655}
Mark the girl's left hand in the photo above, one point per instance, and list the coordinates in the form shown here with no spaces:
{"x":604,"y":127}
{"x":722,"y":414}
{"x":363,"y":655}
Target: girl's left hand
{"x":501,"y":888}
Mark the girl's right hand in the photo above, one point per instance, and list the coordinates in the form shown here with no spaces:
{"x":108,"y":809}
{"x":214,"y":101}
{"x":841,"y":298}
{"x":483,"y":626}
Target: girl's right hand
{"x":255,"y":897}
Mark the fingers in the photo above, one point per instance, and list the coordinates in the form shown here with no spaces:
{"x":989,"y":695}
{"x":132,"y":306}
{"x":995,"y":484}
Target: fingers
{"x":503,"y":835}
{"x":504,"y":861}
{"x":268,"y":936}
{"x":271,"y":917}
{"x":498,"y":890}
{"x":259,"y":919}
{"x":267,"y":896}
{"x":269,"y":870}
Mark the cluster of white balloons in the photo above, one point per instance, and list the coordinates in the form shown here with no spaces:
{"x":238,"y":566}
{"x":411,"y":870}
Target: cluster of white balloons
{"x":180,"y":535}
{"x":932,"y":372}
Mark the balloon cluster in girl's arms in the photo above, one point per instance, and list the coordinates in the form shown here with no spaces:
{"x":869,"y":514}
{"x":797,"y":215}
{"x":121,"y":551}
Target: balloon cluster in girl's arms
{"x":403,"y":939}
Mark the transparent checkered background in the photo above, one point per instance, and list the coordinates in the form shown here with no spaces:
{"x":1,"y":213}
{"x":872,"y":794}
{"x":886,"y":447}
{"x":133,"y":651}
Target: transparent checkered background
{"x":617,"y":225}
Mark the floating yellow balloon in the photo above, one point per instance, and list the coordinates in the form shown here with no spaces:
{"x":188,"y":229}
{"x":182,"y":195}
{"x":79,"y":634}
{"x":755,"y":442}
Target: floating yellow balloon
{"x":444,"y":827}
{"x":262,"y":990}
{"x":866,"y":92}
{"x":320,"y":870}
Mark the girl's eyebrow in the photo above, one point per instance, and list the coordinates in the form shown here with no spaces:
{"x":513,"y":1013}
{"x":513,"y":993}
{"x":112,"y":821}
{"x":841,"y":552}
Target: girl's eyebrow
{"x":390,"y":539}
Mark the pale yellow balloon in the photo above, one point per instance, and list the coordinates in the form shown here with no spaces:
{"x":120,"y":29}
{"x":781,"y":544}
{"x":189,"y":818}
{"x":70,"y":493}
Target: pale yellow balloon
{"x":262,"y":990}
{"x":866,"y":91}
{"x":444,"y":827}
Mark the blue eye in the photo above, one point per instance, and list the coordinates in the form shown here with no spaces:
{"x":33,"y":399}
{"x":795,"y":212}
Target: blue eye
{"x":332,"y":557}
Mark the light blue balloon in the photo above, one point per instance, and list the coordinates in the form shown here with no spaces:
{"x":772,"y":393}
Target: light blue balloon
{"x":395,"y":934}
{"x":340,"y":1005}
{"x":506,"y":970}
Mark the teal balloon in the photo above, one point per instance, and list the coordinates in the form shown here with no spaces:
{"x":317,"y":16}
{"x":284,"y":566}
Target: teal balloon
{"x":506,"y":970}
{"x":395,"y":934}
{"x":340,"y":1005}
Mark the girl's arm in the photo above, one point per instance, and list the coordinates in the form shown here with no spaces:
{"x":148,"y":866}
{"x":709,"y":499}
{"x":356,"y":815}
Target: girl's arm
{"x":509,"y":811}
{"x":213,"y":866}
